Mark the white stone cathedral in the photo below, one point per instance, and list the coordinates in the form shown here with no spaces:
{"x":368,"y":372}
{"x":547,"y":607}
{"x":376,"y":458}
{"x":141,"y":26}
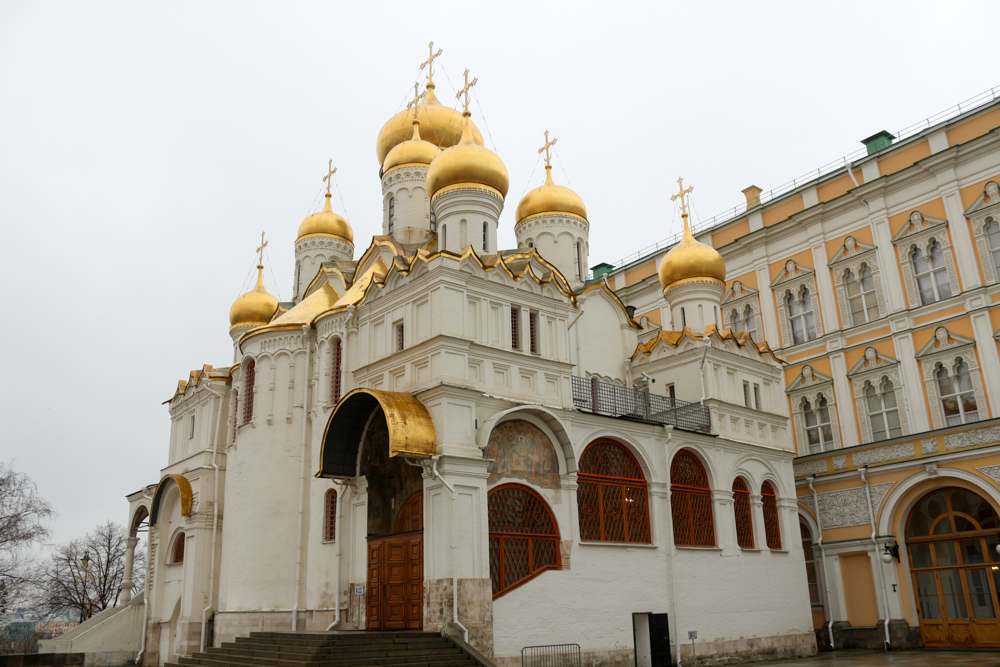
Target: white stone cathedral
{"x":440,"y":434}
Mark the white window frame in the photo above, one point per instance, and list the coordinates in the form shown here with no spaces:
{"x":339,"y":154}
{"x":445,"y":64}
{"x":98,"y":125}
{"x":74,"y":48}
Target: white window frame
{"x":851,"y":257}
{"x":984,"y":210}
{"x":945,"y":349}
{"x":874,"y":368}
{"x":738,"y":299}
{"x":920,"y":232}
{"x":812,"y":386}
{"x":790,"y":281}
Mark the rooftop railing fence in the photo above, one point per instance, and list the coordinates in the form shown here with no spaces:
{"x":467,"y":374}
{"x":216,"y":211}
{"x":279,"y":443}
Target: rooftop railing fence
{"x":611,"y":400}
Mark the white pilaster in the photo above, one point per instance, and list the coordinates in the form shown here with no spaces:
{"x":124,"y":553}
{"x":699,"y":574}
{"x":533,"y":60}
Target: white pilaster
{"x":824,"y":285}
{"x":768,"y":312}
{"x":989,"y":358}
{"x":966,"y":259}
{"x":913,"y":384}
{"x":888,"y":263}
{"x":842,"y":388}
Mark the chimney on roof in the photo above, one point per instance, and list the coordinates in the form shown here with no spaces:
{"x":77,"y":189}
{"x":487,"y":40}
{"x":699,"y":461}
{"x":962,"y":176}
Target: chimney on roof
{"x":753,"y":196}
{"x":878,"y":141}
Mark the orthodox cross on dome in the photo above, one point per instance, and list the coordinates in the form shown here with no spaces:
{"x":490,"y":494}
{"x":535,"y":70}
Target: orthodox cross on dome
{"x":429,"y":63}
{"x":465,"y":91}
{"x":547,"y":148}
{"x":681,"y":195}
{"x":417,"y":96}
{"x":260,"y":250}
{"x":328,"y":179}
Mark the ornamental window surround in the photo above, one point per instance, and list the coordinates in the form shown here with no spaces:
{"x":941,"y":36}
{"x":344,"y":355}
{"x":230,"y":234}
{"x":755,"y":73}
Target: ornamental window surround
{"x":814,"y":412}
{"x":858,"y":282}
{"x":691,"y":502}
{"x":879,"y":397}
{"x":743,"y":513}
{"x":985,"y":217}
{"x":952,"y":377}
{"x":741,"y":306}
{"x":612,"y":499}
{"x":798,"y":312}
{"x":926,"y":260}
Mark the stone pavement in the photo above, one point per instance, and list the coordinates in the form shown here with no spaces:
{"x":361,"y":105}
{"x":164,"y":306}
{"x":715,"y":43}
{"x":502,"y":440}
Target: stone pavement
{"x":920,"y":658}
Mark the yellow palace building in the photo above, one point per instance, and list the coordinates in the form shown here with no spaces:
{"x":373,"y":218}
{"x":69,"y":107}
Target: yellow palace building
{"x":877,"y":280}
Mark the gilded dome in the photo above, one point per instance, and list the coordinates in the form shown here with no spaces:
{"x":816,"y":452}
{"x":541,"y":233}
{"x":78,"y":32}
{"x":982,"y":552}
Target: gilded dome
{"x":440,"y":125}
{"x":467,"y":162}
{"x":412,"y":151}
{"x":327,"y":222}
{"x":550,"y":198}
{"x":254,"y":307}
{"x":691,"y":259}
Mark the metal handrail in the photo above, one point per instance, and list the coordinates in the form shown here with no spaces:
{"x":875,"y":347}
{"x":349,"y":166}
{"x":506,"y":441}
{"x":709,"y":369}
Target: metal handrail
{"x":553,"y":655}
{"x":728,"y":215}
{"x":611,"y":400}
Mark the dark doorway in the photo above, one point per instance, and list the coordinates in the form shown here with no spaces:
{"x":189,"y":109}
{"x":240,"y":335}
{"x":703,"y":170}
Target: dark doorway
{"x":651,"y":633}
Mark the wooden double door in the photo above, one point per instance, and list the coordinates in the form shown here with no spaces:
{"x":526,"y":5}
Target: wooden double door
{"x":396,"y":572}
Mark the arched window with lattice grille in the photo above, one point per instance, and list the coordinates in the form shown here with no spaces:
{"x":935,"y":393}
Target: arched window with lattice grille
{"x":691,"y":500}
{"x":611,"y":495}
{"x":336,"y":371}
{"x":744,"y":518}
{"x":524,"y":537}
{"x":771,"y":525}
{"x":177,"y":553}
{"x":249,"y":375}
{"x":330,"y":516}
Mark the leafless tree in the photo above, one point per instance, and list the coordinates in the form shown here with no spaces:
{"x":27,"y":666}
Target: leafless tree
{"x":22,"y":516}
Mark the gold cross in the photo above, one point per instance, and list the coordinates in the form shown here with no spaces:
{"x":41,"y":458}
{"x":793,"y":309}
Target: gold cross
{"x":260,"y":250}
{"x":328,"y":179}
{"x":548,"y":145}
{"x":417,"y":96}
{"x":465,"y":91}
{"x":680,"y":194}
{"x":429,"y":63}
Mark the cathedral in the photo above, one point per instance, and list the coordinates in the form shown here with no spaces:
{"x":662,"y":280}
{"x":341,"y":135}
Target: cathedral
{"x":516,"y":449}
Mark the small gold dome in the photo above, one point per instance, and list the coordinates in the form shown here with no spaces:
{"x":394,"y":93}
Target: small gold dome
{"x":327,"y":222}
{"x":441,"y":126}
{"x":550,"y":198}
{"x":413,"y":151}
{"x":691,"y":259}
{"x":254,"y":307}
{"x":467,"y":162}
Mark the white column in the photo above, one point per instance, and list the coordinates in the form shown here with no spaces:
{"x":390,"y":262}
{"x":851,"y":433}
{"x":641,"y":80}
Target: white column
{"x":725,"y":525}
{"x":824,"y":285}
{"x":768,"y":313}
{"x":127,"y":584}
{"x":845,"y":401}
{"x":909,"y":370}
{"x":757,"y":512}
{"x":989,"y":358}
{"x":888,"y":263}
{"x":961,"y":237}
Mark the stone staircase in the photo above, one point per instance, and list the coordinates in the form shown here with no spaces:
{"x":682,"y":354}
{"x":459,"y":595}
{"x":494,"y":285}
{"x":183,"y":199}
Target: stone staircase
{"x":334,"y":649}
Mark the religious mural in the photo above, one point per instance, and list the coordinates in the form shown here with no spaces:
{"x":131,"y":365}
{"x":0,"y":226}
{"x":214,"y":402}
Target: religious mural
{"x":390,"y":481}
{"x":521,"y":450}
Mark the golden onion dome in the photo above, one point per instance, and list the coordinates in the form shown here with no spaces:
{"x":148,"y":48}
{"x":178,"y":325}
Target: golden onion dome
{"x":467,"y":162}
{"x":254,"y":307}
{"x":412,"y":151}
{"x":440,"y":125}
{"x":327,"y":222}
{"x":550,"y":198}
{"x":691,"y":259}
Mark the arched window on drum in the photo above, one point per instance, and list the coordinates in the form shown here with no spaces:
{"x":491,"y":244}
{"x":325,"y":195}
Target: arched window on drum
{"x":249,"y":376}
{"x":524,"y":537}
{"x":691,"y":500}
{"x":612,"y":497}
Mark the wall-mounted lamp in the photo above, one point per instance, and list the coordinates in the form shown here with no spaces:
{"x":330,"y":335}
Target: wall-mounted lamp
{"x":891,"y":552}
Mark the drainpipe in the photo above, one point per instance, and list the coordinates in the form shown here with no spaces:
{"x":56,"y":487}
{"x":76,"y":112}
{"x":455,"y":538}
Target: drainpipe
{"x":145,"y":602}
{"x":340,"y":554}
{"x":878,"y":560}
{"x":454,"y":568}
{"x":702,"y":370}
{"x":215,"y":523}
{"x":828,"y":611}
{"x":671,"y":562}
{"x":302,"y":477}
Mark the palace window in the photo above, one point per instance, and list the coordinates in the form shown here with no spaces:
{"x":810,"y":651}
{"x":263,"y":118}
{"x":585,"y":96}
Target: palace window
{"x":772,"y":529}
{"x":819,"y":431}
{"x":330,"y":516}
{"x":434,"y":222}
{"x":524,"y":537}
{"x":993,"y":242}
{"x":883,"y":410}
{"x":746,"y":393}
{"x":861,"y":295}
{"x":533,"y":332}
{"x":744,"y":518}
{"x":800,"y":316}
{"x":392,"y":214}
{"x":336,"y":370}
{"x":958,"y":398}
{"x":743,"y":320}
{"x":931,"y":274}
{"x":691,"y":500}
{"x":249,"y":375}
{"x":486,"y":237}
{"x":515,"y":327}
{"x":611,"y":494}
{"x":177,"y":553}
{"x":812,"y":568}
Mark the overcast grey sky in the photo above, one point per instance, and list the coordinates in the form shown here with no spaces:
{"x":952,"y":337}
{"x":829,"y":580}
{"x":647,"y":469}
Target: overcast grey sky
{"x":145,"y":146}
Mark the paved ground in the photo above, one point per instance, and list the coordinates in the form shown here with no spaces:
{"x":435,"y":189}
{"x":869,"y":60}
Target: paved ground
{"x":922,"y":658}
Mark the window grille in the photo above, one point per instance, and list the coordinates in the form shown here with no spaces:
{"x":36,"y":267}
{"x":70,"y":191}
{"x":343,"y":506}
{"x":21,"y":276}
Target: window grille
{"x":744,"y":518}
{"x":861,"y":295}
{"x":957,"y":395}
{"x":931,"y":275}
{"x":746,"y":393}
{"x":533,"y":332}
{"x":178,"y":553}
{"x":611,"y":495}
{"x":604,"y":398}
{"x":771,"y":525}
{"x":515,"y":328}
{"x":756,"y":396}
{"x":392,"y":214}
{"x":249,"y":375}
{"x":883,"y":412}
{"x":399,"y":337}
{"x":337,"y":370}
{"x":330,"y":519}
{"x":819,"y":431}
{"x":524,"y":537}
{"x":800,"y":316}
{"x":691,"y":500}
